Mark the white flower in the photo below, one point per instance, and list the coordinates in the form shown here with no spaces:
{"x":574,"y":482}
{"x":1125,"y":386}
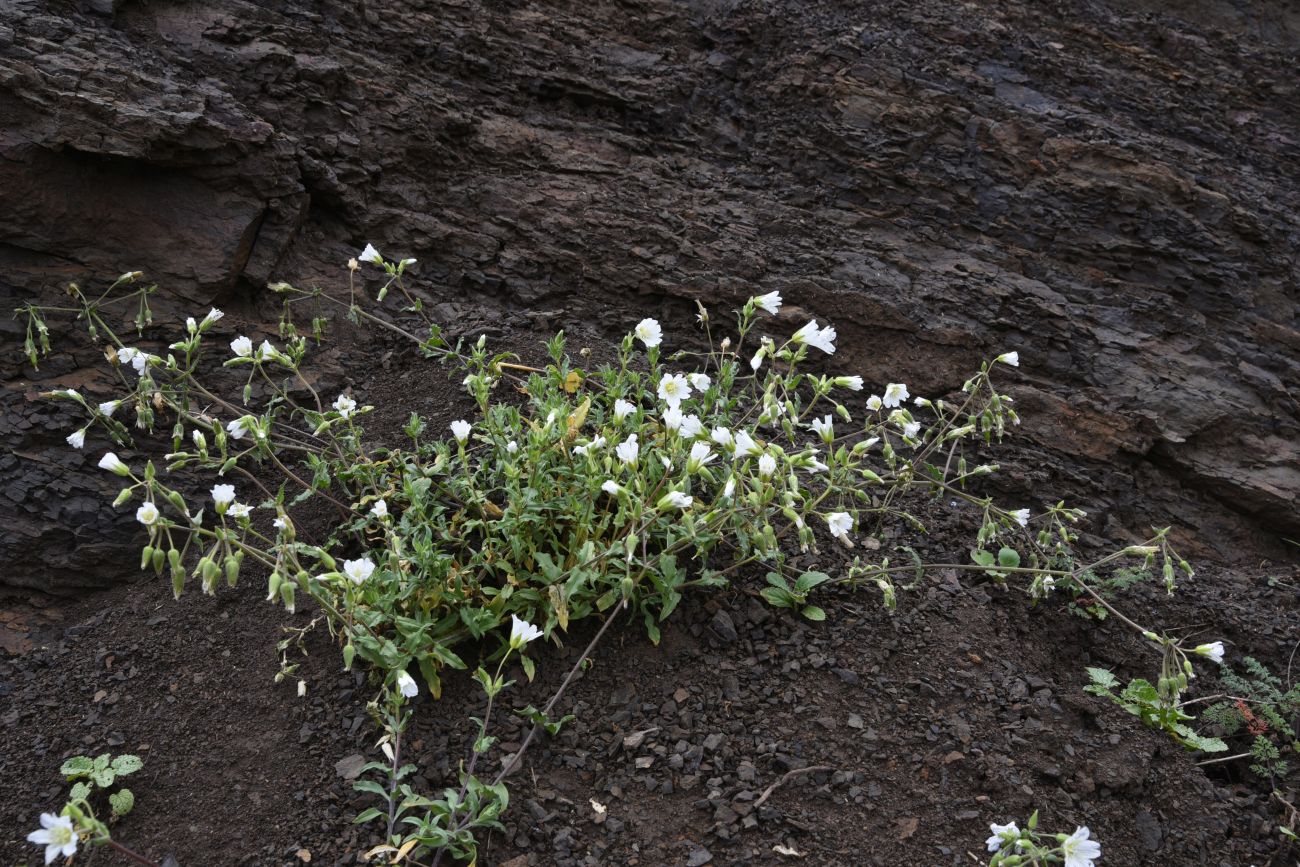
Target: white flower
{"x":239,"y":510}
{"x":649,"y":332}
{"x":674,"y":388}
{"x":125,"y":355}
{"x":358,"y":570}
{"x":113,"y":464}
{"x":699,"y":381}
{"x":147,"y":514}
{"x":628,"y":450}
{"x":345,"y":405}
{"x":370,"y":254}
{"x":722,"y":437}
{"x":1011,"y":358}
{"x":815,"y":466}
{"x":673,"y":417}
{"x":622,"y":409}
{"x":512,"y":447}
{"x":769,"y":303}
{"x":280,"y":524}
{"x":813,"y":335}
{"x":1078,"y":850}
{"x":522,"y":632}
{"x":213,"y":315}
{"x":597,"y":443}
{"x":241,"y":346}
{"x":1021,"y":517}
{"x":840,"y":523}
{"x":701,"y":454}
{"x":757,"y":361}
{"x":825,"y":427}
{"x":406,"y":263}
{"x":379,"y":509}
{"x":611,"y":487}
{"x":267,"y":351}
{"x":729,"y":489}
{"x":766,"y":465}
{"x":852,"y":383}
{"x":406,"y":685}
{"x":745,"y":445}
{"x":191,"y":325}
{"x":77,"y":438}
{"x":1213,"y":650}
{"x":460,"y":430}
{"x":895,"y":394}
{"x":107,"y":409}
{"x":666,"y":461}
{"x":692,"y":427}
{"x":56,"y":835}
{"x":677,"y":500}
{"x":223,"y":495}
{"x":236,"y":429}
{"x":874,"y":402}
{"x":911,"y":429}
{"x":1001,"y":835}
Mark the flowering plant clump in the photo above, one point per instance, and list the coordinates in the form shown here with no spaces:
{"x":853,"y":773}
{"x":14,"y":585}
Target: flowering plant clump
{"x":1014,"y":847}
{"x":568,"y":493}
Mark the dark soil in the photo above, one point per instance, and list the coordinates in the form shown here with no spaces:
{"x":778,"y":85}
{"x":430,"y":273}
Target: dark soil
{"x":1107,"y":186}
{"x":885,"y":739}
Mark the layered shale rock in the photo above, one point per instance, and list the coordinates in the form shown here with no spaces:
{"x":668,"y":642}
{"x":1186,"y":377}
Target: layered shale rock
{"x":1110,"y":188}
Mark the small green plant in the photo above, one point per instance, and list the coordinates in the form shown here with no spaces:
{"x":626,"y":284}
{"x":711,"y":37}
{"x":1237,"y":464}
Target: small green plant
{"x":1108,"y":587}
{"x":100,"y":774}
{"x":77,"y":824}
{"x":1160,"y":705}
{"x":782,"y":594}
{"x":1260,"y":706}
{"x":1028,"y":847}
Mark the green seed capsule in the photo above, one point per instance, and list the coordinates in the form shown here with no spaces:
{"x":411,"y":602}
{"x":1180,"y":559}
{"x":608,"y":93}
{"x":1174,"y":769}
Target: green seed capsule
{"x":146,"y":557}
{"x":273,"y":586}
{"x":178,"y":581}
{"x":232,"y":571}
{"x":158,"y":557}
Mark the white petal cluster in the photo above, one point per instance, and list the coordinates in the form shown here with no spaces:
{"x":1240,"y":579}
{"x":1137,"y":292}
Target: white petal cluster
{"x":649,"y":332}
{"x":358,"y":570}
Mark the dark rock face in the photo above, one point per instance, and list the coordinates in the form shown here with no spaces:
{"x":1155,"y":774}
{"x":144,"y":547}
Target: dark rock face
{"x":1110,"y":189}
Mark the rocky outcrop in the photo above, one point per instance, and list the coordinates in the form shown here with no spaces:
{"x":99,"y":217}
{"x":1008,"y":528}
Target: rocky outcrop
{"x":1111,"y":190}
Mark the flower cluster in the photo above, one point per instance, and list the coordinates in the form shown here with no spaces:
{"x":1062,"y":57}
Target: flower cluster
{"x":1014,"y":847}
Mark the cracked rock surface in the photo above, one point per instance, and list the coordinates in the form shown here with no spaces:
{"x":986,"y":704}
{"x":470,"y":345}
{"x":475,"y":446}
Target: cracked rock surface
{"x":1109,"y":188}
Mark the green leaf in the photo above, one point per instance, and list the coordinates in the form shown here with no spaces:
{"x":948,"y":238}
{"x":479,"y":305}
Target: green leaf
{"x":370,"y":786}
{"x":1103,"y":678}
{"x":809,"y":580}
{"x":778,"y":598}
{"x":1009,"y":558}
{"x":983,"y":558}
{"x":80,"y":791}
{"x":812,"y":612}
{"x":367,"y":815}
{"x":127,"y":764}
{"x":122,"y":802}
{"x":77,"y":766}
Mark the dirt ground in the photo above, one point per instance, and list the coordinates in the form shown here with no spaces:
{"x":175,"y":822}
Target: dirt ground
{"x":1108,"y":187}
{"x":870,"y":738}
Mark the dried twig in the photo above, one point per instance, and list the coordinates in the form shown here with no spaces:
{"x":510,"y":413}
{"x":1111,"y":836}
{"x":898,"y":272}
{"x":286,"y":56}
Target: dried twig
{"x":767,"y":793}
